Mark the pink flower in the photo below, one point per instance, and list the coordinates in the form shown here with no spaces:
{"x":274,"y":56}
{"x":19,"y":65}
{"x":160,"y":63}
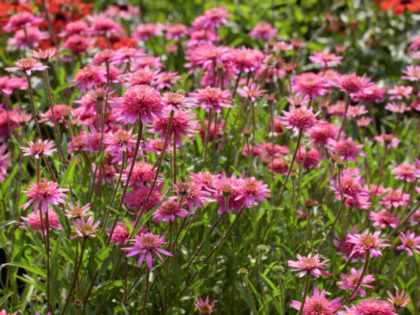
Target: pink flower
{"x":75,"y":28}
{"x":21,"y":20}
{"x":39,"y":149}
{"x":85,"y":228}
{"x":346,"y":246}
{"x":44,"y":54}
{"x":406,"y":172}
{"x":214,"y":17}
{"x":119,"y":141}
{"x":204,"y":306}
{"x":398,"y":108}
{"x":309,"y":159}
{"x":175,"y":100}
{"x":142,"y":173}
{"x":144,"y":31}
{"x":309,"y":265}
{"x":103,"y":26}
{"x":147,"y":244}
{"x":387,"y":139}
{"x":263,"y":31}
{"x":227,"y":187}
{"x":352,"y":83}
{"x":29,"y":40}
{"x":251,"y":92}
{"x":322,"y":131}
{"x":367,"y":242}
{"x":371,"y":93}
{"x":182,"y":124}
{"x":211,"y":98}
{"x":136,"y":199}
{"x":399,"y":92}
{"x":27,"y":65}
{"x":44,"y":192}
{"x":4,"y":162}
{"x":244,"y":59}
{"x":90,"y":76}
{"x":140,"y":101}
{"x":126,"y":55}
{"x":165,"y":79}
{"x":298,"y":118}
{"x":34,"y":221}
{"x":77,"y":44}
{"x":325,"y":59}
{"x":168,"y":210}
{"x":317,"y":304}
{"x":351,"y":187}
{"x":395,"y":198}
{"x":384,"y":218}
{"x":310,"y":84}
{"x":250,"y":189}
{"x":176,"y":31}
{"x":412,"y":73}
{"x":377,"y":307}
{"x":351,"y":281}
{"x":415,"y":43}
{"x":346,"y":149}
{"x":121,"y":234}
{"x":76,"y":212}
{"x":400,"y":300}
{"x":410,"y":242}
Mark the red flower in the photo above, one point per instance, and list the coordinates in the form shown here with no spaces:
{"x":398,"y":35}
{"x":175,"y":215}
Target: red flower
{"x":400,"y":6}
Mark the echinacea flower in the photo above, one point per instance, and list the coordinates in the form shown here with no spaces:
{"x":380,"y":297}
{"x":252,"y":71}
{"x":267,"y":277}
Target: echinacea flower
{"x":377,"y":307}
{"x":78,"y":211}
{"x":193,"y":193}
{"x":211,"y":98}
{"x":147,"y":244}
{"x":309,"y":265}
{"x":27,"y":65}
{"x":412,"y":73}
{"x":21,"y":20}
{"x":140,"y":101}
{"x":322,"y":131}
{"x":204,"y":306}
{"x":325,"y":59}
{"x":350,"y":282}
{"x":34,"y":221}
{"x":29,"y":39}
{"x":388,"y":140}
{"x":352,"y":83}
{"x":250,"y":189}
{"x":317,"y":304}
{"x":406,"y":172}
{"x":298,"y":118}
{"x":395,"y":198}
{"x":346,"y":149}
{"x":410,"y":242}
{"x":168,"y":210}
{"x":39,"y":149}
{"x":400,"y":300}
{"x":367,"y":242}
{"x":263,"y":31}
{"x":383,"y":219}
{"x":43,"y":193}
{"x":4,"y":162}
{"x":121,"y":234}
{"x":310,"y":84}
{"x":399,"y":92}
{"x":85,"y":228}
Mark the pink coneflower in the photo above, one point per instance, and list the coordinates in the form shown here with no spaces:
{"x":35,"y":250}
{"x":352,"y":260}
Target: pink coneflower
{"x":309,"y":265}
{"x":352,"y":83}
{"x":31,"y":39}
{"x":354,"y":111}
{"x":322,"y":131}
{"x":136,"y":199}
{"x":126,"y":55}
{"x":205,"y":179}
{"x":310,"y":84}
{"x":44,"y":192}
{"x":317,"y":304}
{"x":4,"y":162}
{"x":377,"y":307}
{"x":346,"y":149}
{"x":85,"y":228}
{"x":325,"y":59}
{"x":251,"y":92}
{"x":350,"y":282}
{"x":346,"y":247}
{"x":204,"y":306}
{"x":165,"y":80}
{"x":8,"y":85}
{"x":193,"y":193}
{"x":282,"y":46}
{"x":144,"y":31}
{"x":410,"y":242}
{"x":363,"y":122}
{"x":278,"y":165}
{"x":350,"y":186}
{"x":226,"y":187}
{"x":214,"y":17}
{"x":263,"y":31}
{"x":298,"y":118}
{"x":176,"y":31}
{"x":400,"y":300}
{"x":77,"y":211}
{"x":147,"y":61}
{"x":182,"y":124}
{"x":383,"y":219}
{"x":310,"y":159}
{"x":398,"y":108}
{"x":34,"y":221}
{"x":175,"y":100}
{"x":387,"y":139}
{"x":398,"y":92}
{"x":206,"y":57}
{"x":44,"y":54}
{"x":250,"y":189}
{"x":244,"y":60}
{"x":211,"y":98}
{"x":90,"y":76}
{"x":121,"y":234}
{"x":147,"y":244}
{"x":142,"y":77}
{"x":103,"y":26}
{"x":119,"y":141}
{"x":412,"y":73}
{"x":367,"y":242}
{"x":39,"y":149}
{"x":122,"y":11}
{"x":21,"y":20}
{"x":75,"y":28}
{"x":142,"y":172}
{"x":139,"y":101}
{"x":348,"y":310}
{"x":371,"y":93}
{"x":168,"y":210}
{"x":415,"y":43}
{"x":77,"y":44}
{"x":27,"y":65}
{"x":395,"y":198}
{"x":299,"y":101}
{"x":406,"y":172}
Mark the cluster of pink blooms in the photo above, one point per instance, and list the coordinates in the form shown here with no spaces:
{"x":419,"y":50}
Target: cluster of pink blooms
{"x":131,"y":116}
